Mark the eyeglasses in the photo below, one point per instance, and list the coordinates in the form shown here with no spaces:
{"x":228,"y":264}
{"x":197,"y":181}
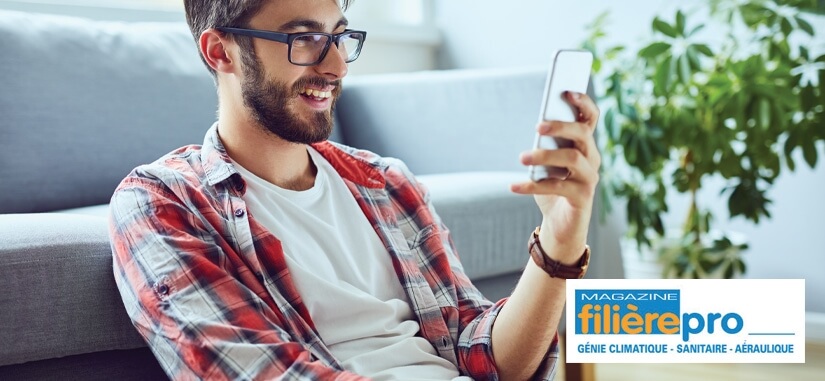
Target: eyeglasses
{"x":310,"y":48}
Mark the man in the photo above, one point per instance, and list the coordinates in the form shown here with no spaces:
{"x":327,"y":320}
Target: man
{"x":269,"y":252}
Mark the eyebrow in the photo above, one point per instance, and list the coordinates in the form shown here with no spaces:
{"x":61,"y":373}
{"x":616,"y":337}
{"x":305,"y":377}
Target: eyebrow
{"x":311,"y":24}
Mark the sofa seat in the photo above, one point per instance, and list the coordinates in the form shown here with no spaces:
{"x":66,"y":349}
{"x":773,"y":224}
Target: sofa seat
{"x":61,"y":307}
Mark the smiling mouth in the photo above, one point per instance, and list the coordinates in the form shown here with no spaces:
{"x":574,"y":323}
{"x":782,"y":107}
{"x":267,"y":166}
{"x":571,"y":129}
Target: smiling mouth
{"x":315,"y":94}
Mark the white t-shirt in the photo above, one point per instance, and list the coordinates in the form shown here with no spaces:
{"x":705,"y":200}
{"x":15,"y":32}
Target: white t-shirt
{"x":345,"y":277}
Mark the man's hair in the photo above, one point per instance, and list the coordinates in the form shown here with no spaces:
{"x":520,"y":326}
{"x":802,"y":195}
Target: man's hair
{"x":205,"y":14}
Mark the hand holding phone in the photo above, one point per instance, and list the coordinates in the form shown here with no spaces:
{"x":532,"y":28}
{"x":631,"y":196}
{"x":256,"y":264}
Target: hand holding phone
{"x":569,"y":71}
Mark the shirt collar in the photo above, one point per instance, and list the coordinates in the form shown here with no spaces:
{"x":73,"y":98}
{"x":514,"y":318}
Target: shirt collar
{"x":218,"y":166}
{"x":216,"y":163}
{"x":353,"y":168}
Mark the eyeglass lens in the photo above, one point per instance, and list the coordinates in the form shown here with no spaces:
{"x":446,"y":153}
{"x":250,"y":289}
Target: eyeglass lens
{"x":308,"y":48}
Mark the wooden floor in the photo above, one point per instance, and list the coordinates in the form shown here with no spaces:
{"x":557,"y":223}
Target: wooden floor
{"x":812,"y":370}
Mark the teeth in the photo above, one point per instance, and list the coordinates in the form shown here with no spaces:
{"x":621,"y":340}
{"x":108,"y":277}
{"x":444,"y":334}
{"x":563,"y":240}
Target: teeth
{"x":317,"y":94}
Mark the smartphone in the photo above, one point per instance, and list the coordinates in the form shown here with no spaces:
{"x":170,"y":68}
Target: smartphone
{"x":569,"y":71}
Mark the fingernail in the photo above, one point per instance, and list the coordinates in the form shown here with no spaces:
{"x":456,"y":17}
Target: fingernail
{"x":515,"y":187}
{"x":526,"y":157}
{"x":575,"y":95}
{"x":544,"y":128}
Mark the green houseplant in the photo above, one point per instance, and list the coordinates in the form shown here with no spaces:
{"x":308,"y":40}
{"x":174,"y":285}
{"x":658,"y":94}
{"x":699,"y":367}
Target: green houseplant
{"x":689,"y":105}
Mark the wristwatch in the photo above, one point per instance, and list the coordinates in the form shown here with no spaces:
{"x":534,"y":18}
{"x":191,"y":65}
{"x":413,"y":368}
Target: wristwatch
{"x":555,"y":268}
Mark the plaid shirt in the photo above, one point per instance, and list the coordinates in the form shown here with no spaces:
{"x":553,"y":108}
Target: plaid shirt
{"x":209,"y":290}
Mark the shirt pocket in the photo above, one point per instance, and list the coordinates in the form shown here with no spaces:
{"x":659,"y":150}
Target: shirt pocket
{"x":433,"y":259}
{"x":203,"y":297}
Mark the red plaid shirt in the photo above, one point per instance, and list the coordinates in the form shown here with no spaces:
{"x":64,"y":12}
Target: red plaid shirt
{"x":209,"y":290}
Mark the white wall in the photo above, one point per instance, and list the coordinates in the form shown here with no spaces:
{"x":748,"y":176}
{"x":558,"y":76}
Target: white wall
{"x":486,"y":34}
{"x":400,"y":37}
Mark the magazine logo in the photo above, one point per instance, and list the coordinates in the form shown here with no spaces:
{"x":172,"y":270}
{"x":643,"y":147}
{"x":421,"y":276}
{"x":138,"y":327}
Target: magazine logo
{"x":646,"y":312}
{"x":685,"y":320}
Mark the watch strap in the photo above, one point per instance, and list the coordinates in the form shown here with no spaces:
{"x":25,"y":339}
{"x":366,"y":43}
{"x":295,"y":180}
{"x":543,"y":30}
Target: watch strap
{"x":553,"y":267}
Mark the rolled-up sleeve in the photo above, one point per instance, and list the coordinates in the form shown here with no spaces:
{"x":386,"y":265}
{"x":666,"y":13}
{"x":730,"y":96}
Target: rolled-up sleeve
{"x":477,"y":315}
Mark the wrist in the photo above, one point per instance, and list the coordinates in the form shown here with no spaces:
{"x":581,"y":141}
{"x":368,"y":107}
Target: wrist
{"x":574,"y":268}
{"x":568,"y":252}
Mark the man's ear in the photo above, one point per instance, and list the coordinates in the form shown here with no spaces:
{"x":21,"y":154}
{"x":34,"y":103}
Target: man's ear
{"x":215,"y":49}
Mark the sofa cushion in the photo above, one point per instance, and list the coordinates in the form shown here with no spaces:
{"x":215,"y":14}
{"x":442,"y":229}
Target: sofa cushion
{"x":445,"y":121}
{"x":59,"y":296}
{"x":84,"y":102}
{"x":94,"y":210}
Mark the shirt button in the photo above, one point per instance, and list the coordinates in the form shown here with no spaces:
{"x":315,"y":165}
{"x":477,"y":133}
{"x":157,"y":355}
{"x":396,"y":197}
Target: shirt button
{"x":163,"y":289}
{"x":239,"y":212}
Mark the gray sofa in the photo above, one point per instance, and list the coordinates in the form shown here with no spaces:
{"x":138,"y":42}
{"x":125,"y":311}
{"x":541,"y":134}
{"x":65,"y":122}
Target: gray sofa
{"x":84,"y":102}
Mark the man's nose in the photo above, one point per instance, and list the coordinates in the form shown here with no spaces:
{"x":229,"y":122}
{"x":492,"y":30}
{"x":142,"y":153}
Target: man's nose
{"x":334,"y":65}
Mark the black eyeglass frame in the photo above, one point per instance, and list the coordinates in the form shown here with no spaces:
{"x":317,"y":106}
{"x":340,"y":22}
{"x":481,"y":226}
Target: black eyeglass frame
{"x":287,"y":38}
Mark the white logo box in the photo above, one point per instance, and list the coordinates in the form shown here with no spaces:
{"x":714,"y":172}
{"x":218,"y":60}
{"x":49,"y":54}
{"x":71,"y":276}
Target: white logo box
{"x":754,"y":321}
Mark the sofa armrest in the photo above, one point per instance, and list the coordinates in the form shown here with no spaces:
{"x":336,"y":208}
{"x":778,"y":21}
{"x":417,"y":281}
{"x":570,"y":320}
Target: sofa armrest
{"x":59,"y":296}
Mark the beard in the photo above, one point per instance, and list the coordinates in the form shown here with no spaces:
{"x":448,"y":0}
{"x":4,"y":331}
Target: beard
{"x":269,"y":101}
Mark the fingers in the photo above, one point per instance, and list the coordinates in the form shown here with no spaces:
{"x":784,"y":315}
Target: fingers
{"x":577,"y":193}
{"x":582,"y":160}
{"x":588,"y":111}
{"x":579,"y":188}
{"x":581,"y":136}
{"x":580,"y":167}
{"x":579,"y":132}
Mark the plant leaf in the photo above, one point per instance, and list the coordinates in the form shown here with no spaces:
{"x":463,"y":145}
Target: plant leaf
{"x":790,"y":143}
{"x":704,"y":49}
{"x":664,"y":28}
{"x":728,"y":273}
{"x":609,"y":123}
{"x":710,"y":265}
{"x":654,"y":50}
{"x":789,"y":161}
{"x":764,"y":120}
{"x":803,"y":52}
{"x":662,"y":78}
{"x":748,"y":200}
{"x":681,"y":180}
{"x":696,"y":29}
{"x":804,"y":25}
{"x":684,"y":69}
{"x":680,"y":22}
{"x":809,"y":152}
{"x":613,"y":52}
{"x":740,"y":265}
{"x":693,"y":58}
{"x":786,"y":27}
